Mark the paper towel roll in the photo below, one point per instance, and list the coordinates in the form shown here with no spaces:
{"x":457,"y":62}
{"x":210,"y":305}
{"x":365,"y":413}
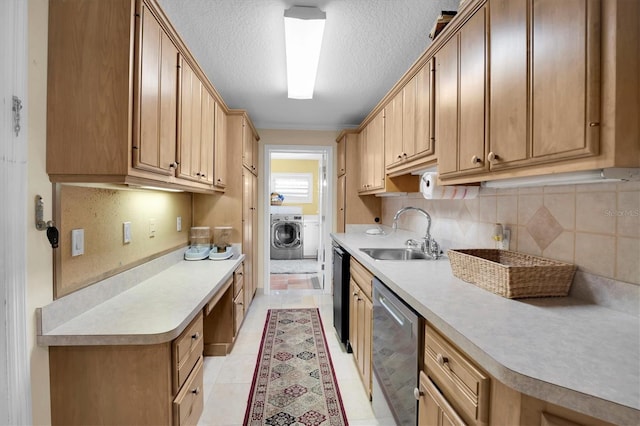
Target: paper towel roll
{"x":432,"y":191}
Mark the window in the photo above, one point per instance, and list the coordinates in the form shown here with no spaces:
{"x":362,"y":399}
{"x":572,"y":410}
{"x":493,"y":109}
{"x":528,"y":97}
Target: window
{"x":294,"y":187}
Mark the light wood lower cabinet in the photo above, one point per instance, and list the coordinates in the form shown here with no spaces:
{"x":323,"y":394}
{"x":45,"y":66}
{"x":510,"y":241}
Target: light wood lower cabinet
{"x":361,"y":322}
{"x":462,"y":383}
{"x":224,"y":315}
{"x":188,"y":405}
{"x":123,"y":384}
{"x":455,"y":391}
{"x":433,"y":408}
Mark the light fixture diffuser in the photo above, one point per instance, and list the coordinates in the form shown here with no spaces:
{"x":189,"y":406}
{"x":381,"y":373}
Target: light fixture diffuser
{"x":303,"y":30}
{"x":570,"y":178}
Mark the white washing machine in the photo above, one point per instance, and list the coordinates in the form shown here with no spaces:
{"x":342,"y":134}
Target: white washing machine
{"x":286,"y":236}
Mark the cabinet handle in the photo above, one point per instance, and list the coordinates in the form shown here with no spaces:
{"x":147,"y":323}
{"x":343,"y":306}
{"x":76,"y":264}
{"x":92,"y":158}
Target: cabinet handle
{"x":196,"y":391}
{"x":594,"y":124}
{"x":476,"y":160}
{"x":417,"y":394}
{"x":399,"y":156}
{"x":196,"y":335}
{"x":202,"y":175}
{"x":173,"y":165}
{"x":404,"y":154}
{"x":442,"y":360}
{"x":492,"y":157}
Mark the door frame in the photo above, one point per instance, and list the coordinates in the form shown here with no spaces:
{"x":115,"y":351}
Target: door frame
{"x":326,"y":209}
{"x":15,"y":381}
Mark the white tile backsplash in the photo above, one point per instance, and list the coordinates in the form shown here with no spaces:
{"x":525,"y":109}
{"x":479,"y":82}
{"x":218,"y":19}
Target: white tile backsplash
{"x":599,"y":224}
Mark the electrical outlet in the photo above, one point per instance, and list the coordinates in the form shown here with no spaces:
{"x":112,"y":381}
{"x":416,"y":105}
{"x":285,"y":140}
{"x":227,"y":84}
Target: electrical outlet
{"x":179,"y":223}
{"x":152,"y":228}
{"x":126,"y":232}
{"x":77,"y":242}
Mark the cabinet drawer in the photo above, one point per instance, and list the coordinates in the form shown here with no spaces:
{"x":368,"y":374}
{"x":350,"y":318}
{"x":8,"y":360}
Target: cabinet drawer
{"x":464,"y":385}
{"x":238,"y":279}
{"x":188,"y":405}
{"x":361,"y":276}
{"x":187,"y":348}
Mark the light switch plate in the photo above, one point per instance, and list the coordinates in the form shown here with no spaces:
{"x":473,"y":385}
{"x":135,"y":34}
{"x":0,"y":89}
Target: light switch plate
{"x":77,"y":242}
{"x":179,"y":223}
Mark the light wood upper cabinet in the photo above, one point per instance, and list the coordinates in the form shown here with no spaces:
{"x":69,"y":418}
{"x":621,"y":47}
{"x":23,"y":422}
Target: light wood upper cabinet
{"x":409,"y":124}
{"x":250,"y":148}
{"x":116,"y":103}
{"x":461,"y":65}
{"x":372,"y":155}
{"x":340,"y":198}
{"x":197,"y":118}
{"x":556,"y":52}
{"x":341,"y":145}
{"x":425,"y":111}
{"x":220,"y":157}
{"x":565,"y":58}
{"x":154,"y":145}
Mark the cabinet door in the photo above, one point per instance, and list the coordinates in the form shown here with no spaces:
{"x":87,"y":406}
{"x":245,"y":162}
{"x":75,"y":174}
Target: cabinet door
{"x":424,"y":110}
{"x":220,"y":157}
{"x":207,"y":142}
{"x":154,"y":146}
{"x":247,"y":228}
{"x":364,"y":163}
{"x":508,"y":78}
{"x":375,"y":152}
{"x":249,"y":148}
{"x":471,"y":139}
{"x":433,"y":408}
{"x":341,"y":191}
{"x":342,"y":156}
{"x":409,"y":93}
{"x":254,"y":231}
{"x":565,"y":57}
{"x":190,"y":123}
{"x":447,"y":106}
{"x":367,"y":342}
{"x":353,"y":319}
{"x":393,"y":131}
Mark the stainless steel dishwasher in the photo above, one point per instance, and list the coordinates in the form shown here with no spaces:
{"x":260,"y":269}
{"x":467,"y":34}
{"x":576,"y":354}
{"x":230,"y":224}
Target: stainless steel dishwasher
{"x":395,"y":358}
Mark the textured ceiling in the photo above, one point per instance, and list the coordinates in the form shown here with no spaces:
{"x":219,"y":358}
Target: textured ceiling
{"x":368,"y":45}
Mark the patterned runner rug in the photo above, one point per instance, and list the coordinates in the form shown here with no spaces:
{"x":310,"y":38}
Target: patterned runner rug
{"x":294,"y":382}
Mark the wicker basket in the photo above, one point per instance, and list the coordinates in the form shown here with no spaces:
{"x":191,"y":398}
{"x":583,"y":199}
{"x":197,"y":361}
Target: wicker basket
{"x":511,"y":274}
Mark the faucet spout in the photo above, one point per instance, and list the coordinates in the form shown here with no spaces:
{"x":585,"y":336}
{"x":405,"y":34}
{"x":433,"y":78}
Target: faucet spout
{"x":430,"y":246}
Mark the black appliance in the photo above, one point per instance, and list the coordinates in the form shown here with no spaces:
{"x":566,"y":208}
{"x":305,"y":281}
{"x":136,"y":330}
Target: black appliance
{"x":341,"y":278}
{"x":396,"y":339}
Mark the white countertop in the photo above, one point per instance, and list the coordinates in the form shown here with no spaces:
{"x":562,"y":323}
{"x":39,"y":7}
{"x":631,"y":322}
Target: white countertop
{"x":563,"y":350}
{"x":154,"y":311}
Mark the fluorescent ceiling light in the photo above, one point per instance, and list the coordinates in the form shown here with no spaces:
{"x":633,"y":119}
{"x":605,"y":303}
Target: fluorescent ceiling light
{"x":571,"y":178}
{"x":303,"y":29}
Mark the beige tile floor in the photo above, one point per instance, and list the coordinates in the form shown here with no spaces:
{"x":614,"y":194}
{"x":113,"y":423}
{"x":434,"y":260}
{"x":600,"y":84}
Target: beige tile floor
{"x":227,"y":380}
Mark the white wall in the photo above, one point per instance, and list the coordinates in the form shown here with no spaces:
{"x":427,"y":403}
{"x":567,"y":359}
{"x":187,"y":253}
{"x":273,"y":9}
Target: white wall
{"x":40,"y":259}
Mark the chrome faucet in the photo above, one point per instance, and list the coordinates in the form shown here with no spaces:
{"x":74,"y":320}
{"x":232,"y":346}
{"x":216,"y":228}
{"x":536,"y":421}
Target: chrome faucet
{"x":428,"y":244}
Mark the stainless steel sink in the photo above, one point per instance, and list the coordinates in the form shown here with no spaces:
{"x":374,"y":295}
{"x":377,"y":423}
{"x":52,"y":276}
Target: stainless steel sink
{"x":395,"y":254}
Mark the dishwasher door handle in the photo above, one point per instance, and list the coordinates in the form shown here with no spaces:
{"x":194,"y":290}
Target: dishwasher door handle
{"x":392,"y":310}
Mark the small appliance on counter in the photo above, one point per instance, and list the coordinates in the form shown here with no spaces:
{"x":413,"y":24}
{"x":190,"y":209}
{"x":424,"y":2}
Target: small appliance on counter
{"x":200,"y":240}
{"x":221,"y":249}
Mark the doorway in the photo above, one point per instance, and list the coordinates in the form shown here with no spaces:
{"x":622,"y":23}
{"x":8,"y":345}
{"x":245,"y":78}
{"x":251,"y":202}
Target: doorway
{"x":297,"y":223}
